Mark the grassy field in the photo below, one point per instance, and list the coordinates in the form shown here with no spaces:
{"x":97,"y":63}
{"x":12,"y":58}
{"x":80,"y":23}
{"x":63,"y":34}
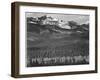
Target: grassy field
{"x":57,"y":49}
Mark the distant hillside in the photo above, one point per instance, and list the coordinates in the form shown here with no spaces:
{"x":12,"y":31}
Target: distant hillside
{"x":36,"y":28}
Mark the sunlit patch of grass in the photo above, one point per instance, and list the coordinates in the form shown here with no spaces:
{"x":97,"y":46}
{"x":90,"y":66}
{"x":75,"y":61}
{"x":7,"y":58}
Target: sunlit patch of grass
{"x":69,"y":60}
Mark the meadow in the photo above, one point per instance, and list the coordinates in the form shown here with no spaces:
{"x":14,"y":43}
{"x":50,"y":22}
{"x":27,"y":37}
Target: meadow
{"x":67,"y":50}
{"x":53,"y":46}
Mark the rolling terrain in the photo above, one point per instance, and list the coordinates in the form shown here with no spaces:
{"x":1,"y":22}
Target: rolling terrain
{"x":52,"y":45}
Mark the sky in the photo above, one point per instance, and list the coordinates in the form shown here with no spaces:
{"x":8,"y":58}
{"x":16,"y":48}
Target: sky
{"x":80,"y":19}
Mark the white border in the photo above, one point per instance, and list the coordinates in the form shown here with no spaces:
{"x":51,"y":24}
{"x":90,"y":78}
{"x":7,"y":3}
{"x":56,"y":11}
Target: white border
{"x":53,"y":69}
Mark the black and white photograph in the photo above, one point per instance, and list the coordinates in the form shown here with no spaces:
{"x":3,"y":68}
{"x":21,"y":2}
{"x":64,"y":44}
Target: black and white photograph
{"x":55,"y":39}
{"x":52,"y":39}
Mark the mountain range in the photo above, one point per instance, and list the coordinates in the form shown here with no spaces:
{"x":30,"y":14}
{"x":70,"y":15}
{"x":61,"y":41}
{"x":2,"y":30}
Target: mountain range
{"x":40,"y":29}
{"x":39,"y":35}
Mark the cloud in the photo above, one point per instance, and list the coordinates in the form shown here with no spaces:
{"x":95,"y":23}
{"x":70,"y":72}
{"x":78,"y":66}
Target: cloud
{"x":80,"y":19}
